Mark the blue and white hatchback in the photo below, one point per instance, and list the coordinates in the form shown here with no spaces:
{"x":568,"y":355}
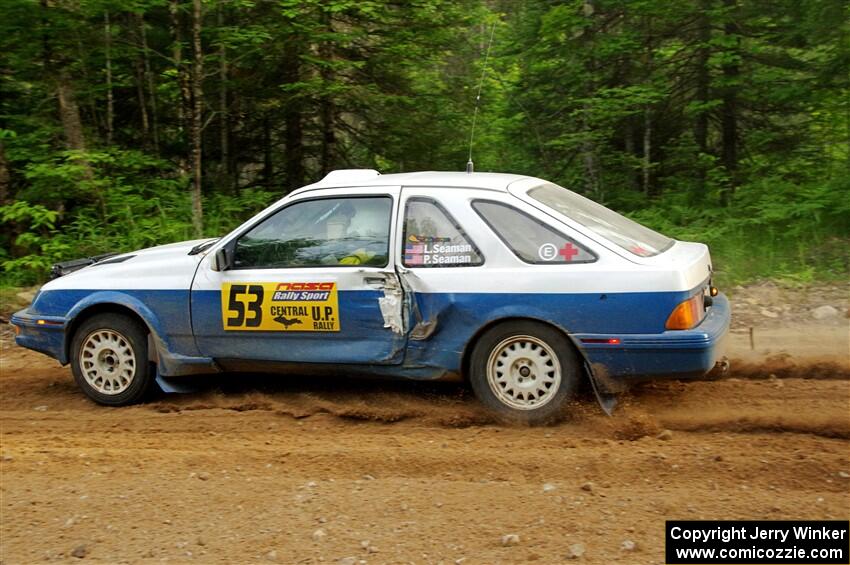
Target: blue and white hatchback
{"x":516,"y":284}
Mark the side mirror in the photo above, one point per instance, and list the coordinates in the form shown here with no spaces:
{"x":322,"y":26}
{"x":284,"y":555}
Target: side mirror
{"x":220,"y":261}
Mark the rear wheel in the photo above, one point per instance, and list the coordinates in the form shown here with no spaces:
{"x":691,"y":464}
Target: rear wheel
{"x":524,"y":371}
{"x":109,"y":359}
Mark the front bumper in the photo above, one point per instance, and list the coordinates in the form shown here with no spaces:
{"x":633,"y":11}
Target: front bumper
{"x":675,"y":354}
{"x":45,"y":334}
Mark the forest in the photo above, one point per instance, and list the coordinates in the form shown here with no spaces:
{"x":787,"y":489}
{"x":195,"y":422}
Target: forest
{"x":130,"y":123}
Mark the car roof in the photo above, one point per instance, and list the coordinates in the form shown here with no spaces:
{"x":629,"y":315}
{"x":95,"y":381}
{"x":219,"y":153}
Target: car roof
{"x":371,"y":177}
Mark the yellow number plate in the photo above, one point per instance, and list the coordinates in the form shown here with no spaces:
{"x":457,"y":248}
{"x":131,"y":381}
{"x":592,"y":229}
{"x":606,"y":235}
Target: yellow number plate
{"x":285,"y":306}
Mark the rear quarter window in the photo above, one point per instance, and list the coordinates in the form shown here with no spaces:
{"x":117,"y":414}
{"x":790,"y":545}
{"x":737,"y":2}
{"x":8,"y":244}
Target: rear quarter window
{"x":531,"y":240}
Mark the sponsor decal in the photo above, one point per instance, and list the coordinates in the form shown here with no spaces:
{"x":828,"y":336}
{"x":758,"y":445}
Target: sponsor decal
{"x":280,"y":306}
{"x":550,"y":252}
{"x":547,"y":251}
{"x":413,"y":238}
{"x":568,"y":251}
{"x":436,"y":251}
{"x":415,"y":248}
{"x":296,"y":292}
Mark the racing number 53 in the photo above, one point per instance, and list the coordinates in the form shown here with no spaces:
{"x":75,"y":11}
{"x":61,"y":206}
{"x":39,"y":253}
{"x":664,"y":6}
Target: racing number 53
{"x":237,"y":307}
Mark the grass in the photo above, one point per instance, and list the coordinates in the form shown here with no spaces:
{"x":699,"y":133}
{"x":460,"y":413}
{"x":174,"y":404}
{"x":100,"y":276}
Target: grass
{"x":10,"y":302}
{"x":743,"y":260}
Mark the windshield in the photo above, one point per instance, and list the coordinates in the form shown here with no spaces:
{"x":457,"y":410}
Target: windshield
{"x":614,"y":227}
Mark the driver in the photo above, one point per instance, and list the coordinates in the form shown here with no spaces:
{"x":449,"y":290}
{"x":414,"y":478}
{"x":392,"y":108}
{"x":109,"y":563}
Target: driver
{"x":338,"y":229}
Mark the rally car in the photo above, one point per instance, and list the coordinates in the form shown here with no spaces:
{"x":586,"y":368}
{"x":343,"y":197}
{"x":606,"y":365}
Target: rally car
{"x":517,"y":285}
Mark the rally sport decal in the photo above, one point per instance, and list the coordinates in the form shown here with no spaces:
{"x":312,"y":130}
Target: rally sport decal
{"x":286,"y":306}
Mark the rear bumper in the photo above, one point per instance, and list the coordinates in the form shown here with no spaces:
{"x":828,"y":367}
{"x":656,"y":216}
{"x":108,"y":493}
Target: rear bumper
{"x":45,"y":334}
{"x":675,"y":354}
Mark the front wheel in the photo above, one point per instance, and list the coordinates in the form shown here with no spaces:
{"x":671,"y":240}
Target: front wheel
{"x":524,"y":371}
{"x":109,"y":359}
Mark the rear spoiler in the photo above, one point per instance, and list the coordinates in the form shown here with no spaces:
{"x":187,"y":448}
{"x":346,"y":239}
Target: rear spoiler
{"x":66,"y":267}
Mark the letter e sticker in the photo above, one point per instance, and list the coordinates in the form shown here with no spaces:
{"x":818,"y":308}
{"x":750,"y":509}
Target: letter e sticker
{"x":280,"y":306}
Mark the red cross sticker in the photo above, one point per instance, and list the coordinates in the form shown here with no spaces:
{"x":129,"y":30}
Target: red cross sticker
{"x":568,"y":251}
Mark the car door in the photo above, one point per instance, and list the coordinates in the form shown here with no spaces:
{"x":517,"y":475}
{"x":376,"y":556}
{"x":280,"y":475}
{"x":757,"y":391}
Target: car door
{"x":442,"y":252}
{"x":311,"y":282}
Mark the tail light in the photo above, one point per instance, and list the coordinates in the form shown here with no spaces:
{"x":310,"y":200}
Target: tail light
{"x":687,"y":314}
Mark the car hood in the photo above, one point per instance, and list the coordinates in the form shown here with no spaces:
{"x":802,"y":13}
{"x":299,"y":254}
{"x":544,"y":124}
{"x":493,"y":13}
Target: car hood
{"x":162,"y":267}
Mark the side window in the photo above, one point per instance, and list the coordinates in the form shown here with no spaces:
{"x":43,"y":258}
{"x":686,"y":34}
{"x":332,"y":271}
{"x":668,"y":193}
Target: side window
{"x":529,"y":239}
{"x":317,"y":233}
{"x":432,"y":238}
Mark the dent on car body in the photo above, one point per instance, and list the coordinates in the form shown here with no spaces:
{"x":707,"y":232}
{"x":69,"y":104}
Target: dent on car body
{"x":425,"y":325}
{"x":392,"y":305}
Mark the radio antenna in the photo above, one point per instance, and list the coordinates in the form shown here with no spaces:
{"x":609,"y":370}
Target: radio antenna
{"x":470,"y":167}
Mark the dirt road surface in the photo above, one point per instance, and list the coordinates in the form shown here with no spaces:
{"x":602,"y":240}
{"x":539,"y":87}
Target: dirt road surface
{"x":319,"y":470}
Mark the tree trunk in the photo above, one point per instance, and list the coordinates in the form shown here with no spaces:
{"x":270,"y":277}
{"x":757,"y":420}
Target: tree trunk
{"x":630,"y":148}
{"x":588,"y":153}
{"x":89,"y":103}
{"x":647,"y":151}
{"x":197,"y":111}
{"x":589,"y":157}
{"x":327,"y":108}
{"x":5,"y":177}
{"x":149,"y":80}
{"x":110,"y":100}
{"x":628,"y":137}
{"x":69,"y":113}
{"x":268,"y":164}
{"x":646,"y":165}
{"x":143,"y":106}
{"x":703,"y":79}
{"x":294,"y":140}
{"x":235,"y":126}
{"x":224,"y":118}
{"x":588,"y":147}
{"x":184,"y":108}
{"x":729,"y":117}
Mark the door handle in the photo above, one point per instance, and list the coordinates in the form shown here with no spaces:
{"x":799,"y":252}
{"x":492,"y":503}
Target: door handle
{"x":381,"y":280}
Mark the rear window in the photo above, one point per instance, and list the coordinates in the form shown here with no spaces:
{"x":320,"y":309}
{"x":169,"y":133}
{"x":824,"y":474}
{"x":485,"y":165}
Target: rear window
{"x":614,"y":227}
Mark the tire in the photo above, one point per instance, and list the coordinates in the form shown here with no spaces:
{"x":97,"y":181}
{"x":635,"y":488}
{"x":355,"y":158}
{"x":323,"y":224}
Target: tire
{"x":525,"y":372}
{"x":109,"y":359}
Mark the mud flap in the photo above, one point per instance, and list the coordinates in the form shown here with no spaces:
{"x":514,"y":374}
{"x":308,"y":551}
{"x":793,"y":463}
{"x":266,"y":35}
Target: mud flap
{"x":165,"y":384}
{"x":169,"y":386}
{"x":607,"y":401}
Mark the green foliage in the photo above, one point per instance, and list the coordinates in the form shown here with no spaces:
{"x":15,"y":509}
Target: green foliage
{"x":128,"y":202}
{"x":715,"y":121}
{"x":775,"y":230}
